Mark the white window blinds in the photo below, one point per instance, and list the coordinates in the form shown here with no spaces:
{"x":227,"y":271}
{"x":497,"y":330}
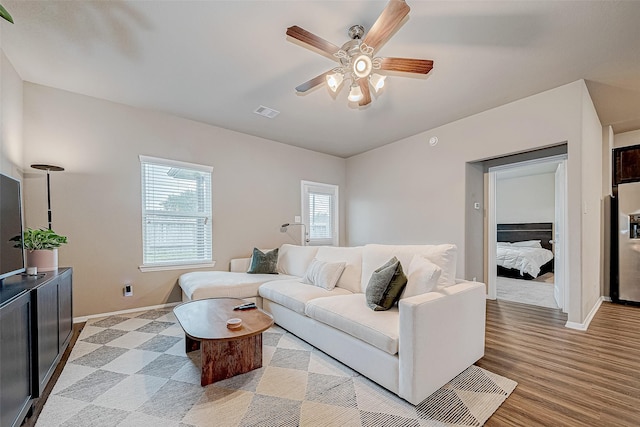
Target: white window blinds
{"x":176,"y":212}
{"x":320,"y":210}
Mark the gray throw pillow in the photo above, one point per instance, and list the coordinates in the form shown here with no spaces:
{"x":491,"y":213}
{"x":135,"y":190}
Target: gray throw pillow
{"x":386,"y":285}
{"x":264,"y":263}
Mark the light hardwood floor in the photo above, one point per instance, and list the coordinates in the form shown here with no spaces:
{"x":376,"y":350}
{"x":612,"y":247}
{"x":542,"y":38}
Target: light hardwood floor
{"x":565,"y":377}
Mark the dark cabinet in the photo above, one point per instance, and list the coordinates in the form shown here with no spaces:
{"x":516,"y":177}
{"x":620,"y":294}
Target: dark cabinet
{"x":52,"y":325}
{"x":36,"y":323}
{"x":626,"y":164}
{"x":15,"y":360}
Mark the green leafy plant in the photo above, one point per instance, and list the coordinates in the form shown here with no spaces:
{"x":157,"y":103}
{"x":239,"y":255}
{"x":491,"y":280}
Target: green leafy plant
{"x":39,"y":239}
{"x":5,"y":15}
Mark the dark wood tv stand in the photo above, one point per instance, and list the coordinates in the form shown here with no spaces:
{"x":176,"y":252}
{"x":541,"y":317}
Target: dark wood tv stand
{"x":36,"y":323}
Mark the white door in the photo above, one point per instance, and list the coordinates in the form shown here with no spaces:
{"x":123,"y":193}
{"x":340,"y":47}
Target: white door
{"x":559,"y":241}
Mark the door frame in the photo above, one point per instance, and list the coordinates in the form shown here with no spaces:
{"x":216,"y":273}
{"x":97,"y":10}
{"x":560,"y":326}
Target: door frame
{"x":492,"y":229}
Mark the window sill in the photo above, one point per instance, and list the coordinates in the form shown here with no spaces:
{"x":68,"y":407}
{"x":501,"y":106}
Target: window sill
{"x":149,"y":268}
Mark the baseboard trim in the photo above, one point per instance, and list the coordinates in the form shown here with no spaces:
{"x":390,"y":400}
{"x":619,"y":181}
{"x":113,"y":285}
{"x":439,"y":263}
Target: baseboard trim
{"x":585,"y":325}
{"x":131,"y":310}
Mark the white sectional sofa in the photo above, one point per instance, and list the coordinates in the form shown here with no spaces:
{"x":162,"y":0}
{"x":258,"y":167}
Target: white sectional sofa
{"x":412,"y":349}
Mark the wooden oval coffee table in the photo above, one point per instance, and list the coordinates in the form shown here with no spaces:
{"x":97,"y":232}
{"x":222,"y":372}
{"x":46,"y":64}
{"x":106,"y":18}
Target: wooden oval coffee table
{"x":225,"y":352}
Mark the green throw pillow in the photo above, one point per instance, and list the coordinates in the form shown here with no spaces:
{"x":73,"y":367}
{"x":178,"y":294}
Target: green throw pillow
{"x":386,"y":285}
{"x":264,"y":263}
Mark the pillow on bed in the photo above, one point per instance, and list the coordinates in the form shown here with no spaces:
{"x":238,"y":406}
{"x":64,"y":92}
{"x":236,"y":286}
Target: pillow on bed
{"x":504,"y":244}
{"x":528,"y":244}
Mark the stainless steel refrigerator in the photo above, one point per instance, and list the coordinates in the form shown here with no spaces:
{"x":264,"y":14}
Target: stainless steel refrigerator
{"x":629,"y":242}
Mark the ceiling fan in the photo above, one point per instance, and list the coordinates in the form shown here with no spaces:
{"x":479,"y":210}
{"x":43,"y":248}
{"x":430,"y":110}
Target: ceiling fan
{"x":356,"y":57}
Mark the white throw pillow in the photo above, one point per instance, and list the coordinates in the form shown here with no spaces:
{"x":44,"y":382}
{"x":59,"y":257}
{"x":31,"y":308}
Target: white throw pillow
{"x":323,"y":274}
{"x":527,"y":244}
{"x":422,"y":277}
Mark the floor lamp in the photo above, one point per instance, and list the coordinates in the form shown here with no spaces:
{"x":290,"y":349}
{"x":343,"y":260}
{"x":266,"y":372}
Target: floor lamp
{"x":305,"y":241}
{"x":48,"y":168}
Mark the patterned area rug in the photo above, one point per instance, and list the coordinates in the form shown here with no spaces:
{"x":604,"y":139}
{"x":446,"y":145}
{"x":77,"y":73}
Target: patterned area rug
{"x":132,"y":370}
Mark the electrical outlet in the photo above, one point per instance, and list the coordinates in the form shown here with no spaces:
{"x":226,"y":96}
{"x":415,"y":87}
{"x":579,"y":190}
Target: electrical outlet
{"x":297,"y":219}
{"x":128,"y":290}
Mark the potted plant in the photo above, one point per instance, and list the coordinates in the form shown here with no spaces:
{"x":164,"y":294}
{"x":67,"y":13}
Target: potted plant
{"x":42,"y":248}
{"x":5,"y":15}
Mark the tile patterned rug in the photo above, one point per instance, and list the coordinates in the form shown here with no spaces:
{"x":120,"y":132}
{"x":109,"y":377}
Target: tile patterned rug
{"x":132,"y":370}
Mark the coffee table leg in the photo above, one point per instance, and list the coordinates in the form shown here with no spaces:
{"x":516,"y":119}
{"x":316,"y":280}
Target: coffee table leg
{"x":190,"y":344}
{"x":225,"y":359}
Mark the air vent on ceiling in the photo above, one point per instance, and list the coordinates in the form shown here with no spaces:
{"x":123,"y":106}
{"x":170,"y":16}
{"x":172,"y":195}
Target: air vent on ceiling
{"x":266,"y":111}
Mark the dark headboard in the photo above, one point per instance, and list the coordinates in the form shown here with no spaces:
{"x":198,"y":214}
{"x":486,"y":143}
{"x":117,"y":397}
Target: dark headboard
{"x":542,"y":231}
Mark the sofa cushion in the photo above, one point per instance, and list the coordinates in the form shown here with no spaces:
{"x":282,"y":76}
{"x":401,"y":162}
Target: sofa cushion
{"x":385,"y":286}
{"x":220,"y":284}
{"x":444,"y":256}
{"x":422,"y":277}
{"x":350,"y":314}
{"x":263,"y":263}
{"x":294,"y":260}
{"x":323,"y":274}
{"x":350,"y":279}
{"x":294,"y":294}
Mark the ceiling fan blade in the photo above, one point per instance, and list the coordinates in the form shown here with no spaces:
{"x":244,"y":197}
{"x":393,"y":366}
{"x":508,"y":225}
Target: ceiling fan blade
{"x":406,"y":65}
{"x":364,"y":87}
{"x":308,"y":85}
{"x":310,"y":39}
{"x":389,"y":19}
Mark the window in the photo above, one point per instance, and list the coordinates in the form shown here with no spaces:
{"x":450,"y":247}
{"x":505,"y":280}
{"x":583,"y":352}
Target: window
{"x":320,"y":212}
{"x":176,"y":214}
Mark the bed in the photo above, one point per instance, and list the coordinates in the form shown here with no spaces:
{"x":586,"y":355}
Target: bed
{"x":525,"y":250}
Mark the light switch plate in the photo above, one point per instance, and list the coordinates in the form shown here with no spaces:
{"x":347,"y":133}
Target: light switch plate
{"x":297,"y":219}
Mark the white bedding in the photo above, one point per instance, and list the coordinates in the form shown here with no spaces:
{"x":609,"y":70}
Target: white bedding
{"x":523,"y":259}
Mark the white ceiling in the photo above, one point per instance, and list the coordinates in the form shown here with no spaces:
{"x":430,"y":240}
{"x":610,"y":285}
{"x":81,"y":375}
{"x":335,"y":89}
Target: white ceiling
{"x":217,"y":61}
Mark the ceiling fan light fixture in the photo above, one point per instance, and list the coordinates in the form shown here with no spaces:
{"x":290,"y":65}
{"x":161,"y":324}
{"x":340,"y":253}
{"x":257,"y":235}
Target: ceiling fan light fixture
{"x":355,"y":94}
{"x":334,"y":81}
{"x":362,"y":66}
{"x":377,"y":81}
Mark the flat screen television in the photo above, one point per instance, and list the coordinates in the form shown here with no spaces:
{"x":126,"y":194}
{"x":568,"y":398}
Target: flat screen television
{"x":11,"y":258}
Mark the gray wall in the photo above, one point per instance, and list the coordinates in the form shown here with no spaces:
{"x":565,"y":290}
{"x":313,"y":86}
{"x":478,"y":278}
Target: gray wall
{"x":96,"y":200}
{"x":410,"y":192}
{"x":525,"y":199}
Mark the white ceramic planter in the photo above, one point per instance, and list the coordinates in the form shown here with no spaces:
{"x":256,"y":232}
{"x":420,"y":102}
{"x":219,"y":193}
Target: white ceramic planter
{"x":45,"y":260}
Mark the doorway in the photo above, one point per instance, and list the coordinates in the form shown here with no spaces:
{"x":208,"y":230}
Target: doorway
{"x":526,"y":237}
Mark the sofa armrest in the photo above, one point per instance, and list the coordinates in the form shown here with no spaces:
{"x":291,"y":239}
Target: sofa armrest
{"x":240,"y":265}
{"x":441,"y":334}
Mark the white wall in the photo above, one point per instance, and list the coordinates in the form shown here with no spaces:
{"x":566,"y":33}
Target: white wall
{"x":627,"y":138}
{"x":410,"y":192}
{"x":592,"y":205}
{"x":96,"y":200}
{"x":525,"y":199}
{"x":11,"y":148}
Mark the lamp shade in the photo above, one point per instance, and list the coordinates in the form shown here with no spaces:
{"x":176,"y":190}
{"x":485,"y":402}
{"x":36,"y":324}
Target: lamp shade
{"x":334,"y":81}
{"x":377,"y":81}
{"x":355,"y":94}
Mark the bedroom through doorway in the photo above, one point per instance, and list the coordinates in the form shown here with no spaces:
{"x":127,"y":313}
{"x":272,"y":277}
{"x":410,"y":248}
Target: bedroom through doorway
{"x":526,"y":239}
